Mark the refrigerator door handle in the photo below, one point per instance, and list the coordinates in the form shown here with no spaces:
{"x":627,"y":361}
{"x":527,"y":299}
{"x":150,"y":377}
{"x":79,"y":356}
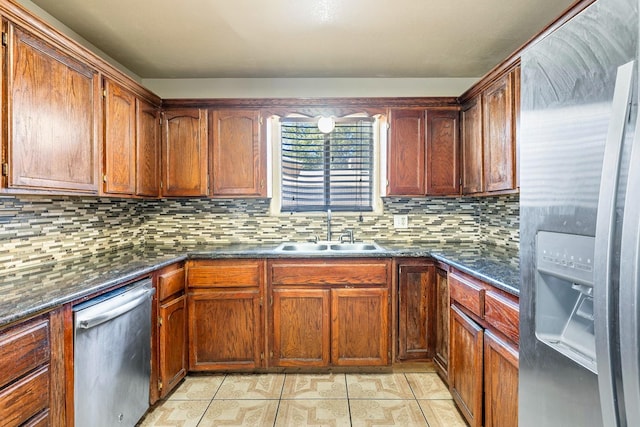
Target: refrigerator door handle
{"x":629,"y":292}
{"x":603,"y":303}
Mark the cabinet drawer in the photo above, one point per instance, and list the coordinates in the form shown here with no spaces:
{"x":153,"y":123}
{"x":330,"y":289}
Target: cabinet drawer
{"x":170,"y":283}
{"x":225,"y":273}
{"x":466,"y":293}
{"x":503,"y":314}
{"x":330,"y":273}
{"x":43,"y":419}
{"x":25,"y":398}
{"x":23,"y":348}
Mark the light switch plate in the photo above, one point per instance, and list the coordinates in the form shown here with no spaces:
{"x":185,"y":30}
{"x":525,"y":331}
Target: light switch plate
{"x":400,"y":221}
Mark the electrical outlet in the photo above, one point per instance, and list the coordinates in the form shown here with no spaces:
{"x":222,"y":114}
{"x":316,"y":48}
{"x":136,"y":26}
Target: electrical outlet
{"x":400,"y":221}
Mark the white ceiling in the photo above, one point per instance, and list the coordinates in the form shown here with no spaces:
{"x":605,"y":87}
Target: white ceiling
{"x":306,"y":38}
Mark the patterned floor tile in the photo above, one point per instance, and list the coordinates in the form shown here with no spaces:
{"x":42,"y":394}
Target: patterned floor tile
{"x":176,"y":413}
{"x":256,"y":386}
{"x":378,"y":386}
{"x":428,"y":386}
{"x":442,"y":413}
{"x":405,"y":413}
{"x":197,"y":388}
{"x":318,"y":386}
{"x":324,"y":412}
{"x":256,"y":413}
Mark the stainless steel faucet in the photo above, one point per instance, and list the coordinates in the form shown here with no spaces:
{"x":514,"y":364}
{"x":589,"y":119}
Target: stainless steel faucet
{"x":348,"y":233}
{"x":328,"y":225}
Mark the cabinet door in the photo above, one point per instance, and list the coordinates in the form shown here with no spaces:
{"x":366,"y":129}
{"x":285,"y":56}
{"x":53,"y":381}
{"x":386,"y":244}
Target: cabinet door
{"x":53,"y":104}
{"x":499,"y":147}
{"x":471,"y":118}
{"x":119,"y":173}
{"x":443,"y":158}
{"x":300,"y":327}
{"x":184,"y":152}
{"x":359,"y":327}
{"x":501,"y":382}
{"x":238,"y":161}
{"x":148,"y":154}
{"x":441,"y":357}
{"x":406,"y":157}
{"x":416,"y":293}
{"x":173,"y":343}
{"x":224,"y":330}
{"x":465,"y":366}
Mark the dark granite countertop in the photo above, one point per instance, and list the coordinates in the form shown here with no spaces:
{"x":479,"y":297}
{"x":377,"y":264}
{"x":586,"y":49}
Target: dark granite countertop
{"x":29,"y":291}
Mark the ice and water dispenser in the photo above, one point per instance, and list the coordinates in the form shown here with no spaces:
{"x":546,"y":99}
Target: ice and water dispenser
{"x":564,"y":295}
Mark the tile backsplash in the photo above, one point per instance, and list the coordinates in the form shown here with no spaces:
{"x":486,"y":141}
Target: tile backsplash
{"x":36,"y":229}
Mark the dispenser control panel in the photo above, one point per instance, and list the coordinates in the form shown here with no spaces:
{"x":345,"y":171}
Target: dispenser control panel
{"x":567,"y":256}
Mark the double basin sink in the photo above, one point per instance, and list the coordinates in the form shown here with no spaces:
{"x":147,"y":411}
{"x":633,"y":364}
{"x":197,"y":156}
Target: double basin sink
{"x":329,"y":247}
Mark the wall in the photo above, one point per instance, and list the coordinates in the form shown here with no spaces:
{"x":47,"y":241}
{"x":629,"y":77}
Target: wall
{"x":37,"y":229}
{"x":308,"y":87}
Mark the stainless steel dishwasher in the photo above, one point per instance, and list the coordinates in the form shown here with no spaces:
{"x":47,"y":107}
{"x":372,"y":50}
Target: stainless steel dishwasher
{"x":112,"y":357}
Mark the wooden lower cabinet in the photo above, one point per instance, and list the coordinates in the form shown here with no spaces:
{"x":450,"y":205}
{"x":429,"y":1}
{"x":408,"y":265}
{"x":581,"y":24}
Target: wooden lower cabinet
{"x":32,"y":372}
{"x":500,"y":382}
{"x":483,"y":358}
{"x":441,"y":356}
{"x":173,"y":343}
{"x":300,"y":327}
{"x":224,"y":330}
{"x":416,"y":313}
{"x":466,"y":366}
{"x":171,"y":331}
{"x":329,"y":312}
{"x":360,"y":327}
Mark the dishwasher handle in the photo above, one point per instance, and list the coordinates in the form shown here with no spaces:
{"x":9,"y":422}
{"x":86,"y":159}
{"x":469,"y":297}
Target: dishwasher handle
{"x":135,"y":298}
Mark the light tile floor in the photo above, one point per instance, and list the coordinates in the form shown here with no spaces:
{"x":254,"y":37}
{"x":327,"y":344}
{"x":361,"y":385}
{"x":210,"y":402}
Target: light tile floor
{"x":400,"y":399}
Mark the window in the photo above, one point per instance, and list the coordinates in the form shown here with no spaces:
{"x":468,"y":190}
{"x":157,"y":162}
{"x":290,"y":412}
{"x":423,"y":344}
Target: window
{"x":327,"y":171}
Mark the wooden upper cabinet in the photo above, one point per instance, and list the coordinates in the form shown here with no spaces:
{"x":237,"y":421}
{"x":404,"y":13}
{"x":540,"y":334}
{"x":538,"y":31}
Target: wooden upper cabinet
{"x":238,"y":157}
{"x":148,"y":149}
{"x":119,"y":153}
{"x":184,"y":152}
{"x":53,"y":118}
{"x":499,"y":142}
{"x":472,"y":159}
{"x":406,"y":153}
{"x":443,"y":158}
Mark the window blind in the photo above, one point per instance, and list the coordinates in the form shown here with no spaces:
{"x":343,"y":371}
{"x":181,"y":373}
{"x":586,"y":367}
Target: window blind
{"x":327,"y":171}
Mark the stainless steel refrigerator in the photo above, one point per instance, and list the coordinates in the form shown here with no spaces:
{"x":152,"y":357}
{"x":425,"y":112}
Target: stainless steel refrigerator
{"x":580,"y":222}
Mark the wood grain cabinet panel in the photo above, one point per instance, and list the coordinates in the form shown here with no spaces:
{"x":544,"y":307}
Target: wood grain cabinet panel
{"x":443,"y":153}
{"x":472,"y":149}
{"x":501,"y":382}
{"x":416,"y":322}
{"x":172,"y":343}
{"x":148,"y":149}
{"x":441,"y":356}
{"x":499,"y":142}
{"x":466,"y":366}
{"x":238,"y":156}
{"x":184,"y":152}
{"x":52,"y":104}
{"x":359,"y":327}
{"x":25,"y":398}
{"x":224,"y":330}
{"x":32,"y":371}
{"x":406,"y":153}
{"x":467,"y":293}
{"x":300,"y":327}
{"x":119,"y":172}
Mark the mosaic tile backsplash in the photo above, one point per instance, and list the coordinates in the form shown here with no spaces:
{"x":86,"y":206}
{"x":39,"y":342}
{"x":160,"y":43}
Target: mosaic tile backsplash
{"x":38,"y":229}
